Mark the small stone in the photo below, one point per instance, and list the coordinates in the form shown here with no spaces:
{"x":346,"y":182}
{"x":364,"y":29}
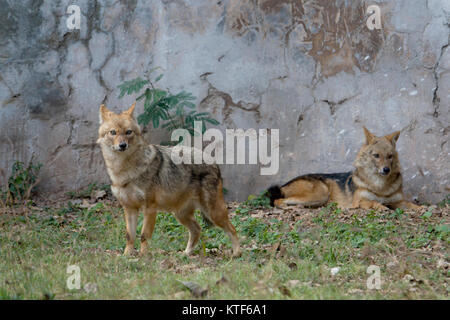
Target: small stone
{"x":98,"y":194}
{"x":408,"y":279}
{"x":391,"y":264}
{"x":335,"y":271}
{"x":443,"y":264}
{"x":293,"y":283}
{"x":179,"y":295}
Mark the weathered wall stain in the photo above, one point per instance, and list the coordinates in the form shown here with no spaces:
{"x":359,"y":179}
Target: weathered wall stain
{"x":333,"y":32}
{"x":221,"y":102}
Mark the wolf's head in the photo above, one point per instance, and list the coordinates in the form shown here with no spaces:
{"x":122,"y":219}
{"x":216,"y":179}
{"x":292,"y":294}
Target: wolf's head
{"x":378,"y":155}
{"x":119,"y":132}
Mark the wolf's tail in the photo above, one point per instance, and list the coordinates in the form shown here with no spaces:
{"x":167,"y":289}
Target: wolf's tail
{"x":274,"y":194}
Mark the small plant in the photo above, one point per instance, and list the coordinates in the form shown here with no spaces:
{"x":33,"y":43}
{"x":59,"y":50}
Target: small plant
{"x":255,"y":202}
{"x":427,"y":215}
{"x":397,"y":213}
{"x":21,"y":183}
{"x":444,"y":202}
{"x":161,"y":107}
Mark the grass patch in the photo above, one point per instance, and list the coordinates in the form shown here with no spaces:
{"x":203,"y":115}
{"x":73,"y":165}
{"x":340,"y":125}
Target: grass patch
{"x":287,"y":254}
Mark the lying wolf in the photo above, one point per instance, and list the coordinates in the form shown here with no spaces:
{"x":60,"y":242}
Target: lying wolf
{"x":376,"y":183}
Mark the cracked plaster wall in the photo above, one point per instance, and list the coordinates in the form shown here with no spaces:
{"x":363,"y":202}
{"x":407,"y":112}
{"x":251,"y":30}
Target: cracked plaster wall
{"x":310,"y":68}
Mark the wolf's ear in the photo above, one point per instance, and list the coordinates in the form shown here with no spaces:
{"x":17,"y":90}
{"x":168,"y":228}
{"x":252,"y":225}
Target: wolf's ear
{"x":131,"y":110}
{"x":369,"y":135}
{"x":104,"y":113}
{"x":393,"y":137}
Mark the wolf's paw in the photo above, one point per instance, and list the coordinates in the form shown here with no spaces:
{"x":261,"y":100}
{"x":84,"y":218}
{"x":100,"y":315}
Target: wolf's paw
{"x":411,"y":206}
{"x":377,"y":206}
{"x":144,"y":249}
{"x":189,"y":252}
{"x":415,"y":207}
{"x":279,"y":203}
{"x":129,"y":251}
{"x":237,"y":253}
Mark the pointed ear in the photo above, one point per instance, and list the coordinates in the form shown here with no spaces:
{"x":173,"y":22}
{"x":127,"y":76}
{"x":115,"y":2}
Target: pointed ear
{"x":393,"y":137}
{"x":104,"y":113}
{"x":131,"y":110}
{"x":369,"y":135}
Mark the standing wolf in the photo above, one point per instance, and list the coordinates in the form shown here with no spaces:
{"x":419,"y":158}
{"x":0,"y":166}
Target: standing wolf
{"x":144,"y":177}
{"x":376,"y":183}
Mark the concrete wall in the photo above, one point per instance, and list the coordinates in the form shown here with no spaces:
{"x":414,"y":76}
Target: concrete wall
{"x":310,"y":68}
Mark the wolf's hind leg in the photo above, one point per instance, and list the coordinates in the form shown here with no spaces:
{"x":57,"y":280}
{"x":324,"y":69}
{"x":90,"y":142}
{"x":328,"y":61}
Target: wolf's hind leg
{"x":186,"y":217}
{"x":216,"y":210}
{"x":147,"y":228}
{"x":131,"y":217}
{"x":307,"y":193}
{"x":302,"y":201}
{"x":222,"y":221}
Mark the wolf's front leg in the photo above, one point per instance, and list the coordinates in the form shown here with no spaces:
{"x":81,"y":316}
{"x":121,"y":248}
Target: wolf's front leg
{"x":405,"y":205}
{"x":371,"y":204}
{"x":131,"y":217}
{"x":147,"y":228}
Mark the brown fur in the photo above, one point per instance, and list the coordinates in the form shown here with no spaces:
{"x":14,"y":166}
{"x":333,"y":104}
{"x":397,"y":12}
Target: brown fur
{"x":144,"y":177}
{"x":376,"y":183}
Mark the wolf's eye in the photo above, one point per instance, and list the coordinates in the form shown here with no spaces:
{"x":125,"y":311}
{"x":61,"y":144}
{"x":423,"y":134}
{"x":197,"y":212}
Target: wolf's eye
{"x":113,"y":132}
{"x":376,"y":155}
{"x":390,"y":156}
{"x":128,"y":132}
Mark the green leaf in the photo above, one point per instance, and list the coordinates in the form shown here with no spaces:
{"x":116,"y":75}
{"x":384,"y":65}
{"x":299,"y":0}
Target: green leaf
{"x":188,"y":104}
{"x":154,"y":69}
{"x":212,"y":121}
{"x":162,"y":108}
{"x":155,"y":122}
{"x":131,"y":86}
{"x":426,"y":215}
{"x":445,"y":228}
{"x":201,"y":114}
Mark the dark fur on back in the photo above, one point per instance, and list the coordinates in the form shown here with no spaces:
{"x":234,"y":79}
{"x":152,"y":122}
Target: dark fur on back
{"x":343,"y":179}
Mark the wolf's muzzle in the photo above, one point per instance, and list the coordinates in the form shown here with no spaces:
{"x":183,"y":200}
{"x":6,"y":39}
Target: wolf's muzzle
{"x":123,"y":146}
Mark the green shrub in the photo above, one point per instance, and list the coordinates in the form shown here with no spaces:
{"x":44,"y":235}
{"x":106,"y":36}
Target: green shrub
{"x":21,"y":183}
{"x":161,"y":107}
